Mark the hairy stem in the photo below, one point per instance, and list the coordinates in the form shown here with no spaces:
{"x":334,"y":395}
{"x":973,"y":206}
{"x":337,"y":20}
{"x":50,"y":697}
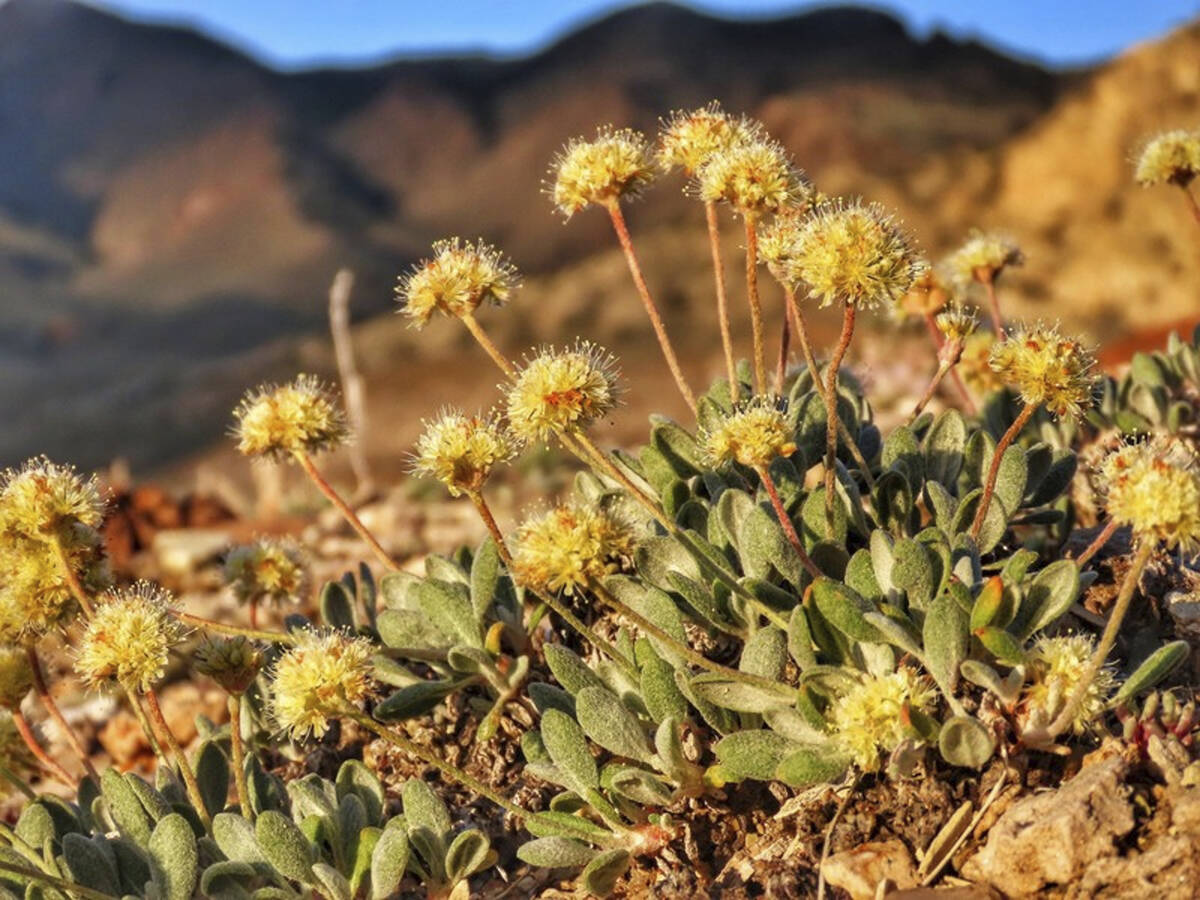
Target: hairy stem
{"x":989,"y":286}
{"x":785,"y":339}
{"x":53,"y":766}
{"x":489,"y":521}
{"x":237,"y":752}
{"x":789,"y":529}
{"x":181,"y":760}
{"x":989,"y":487}
{"x":714,"y":243}
{"x":488,"y":345}
{"x":1115,"y":617}
{"x":639,"y":281}
{"x":254,"y":634}
{"x":1097,"y":544}
{"x":148,"y":729}
{"x":343,"y":507}
{"x":1193,"y":205}
{"x":831,"y":412}
{"x":48,"y":703}
{"x":756,"y":323}
{"x":72,"y":578}
{"x":955,"y":375}
{"x":69,"y":887}
{"x":930,"y":389}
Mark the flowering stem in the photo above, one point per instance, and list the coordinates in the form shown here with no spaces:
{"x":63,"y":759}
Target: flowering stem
{"x":237,"y":752}
{"x":254,"y":634}
{"x":693,"y":656}
{"x":785,"y":339}
{"x":714,"y":243}
{"x":831,"y":411}
{"x":955,"y":376}
{"x":487,"y":344}
{"x":254,"y":612}
{"x":1109,"y":529}
{"x":68,"y":887}
{"x":989,"y":487}
{"x":942,"y":369}
{"x":1115,"y":617}
{"x":139,"y":713}
{"x":814,"y":370}
{"x":343,"y":507}
{"x":68,"y":571}
{"x":785,"y":520}
{"x":989,"y":285}
{"x":181,"y":760}
{"x":485,"y":513}
{"x":450,"y":771}
{"x":16,"y":781}
{"x":53,"y":766}
{"x":48,"y":702}
{"x":756,"y":325}
{"x":1191,"y":201}
{"x":660,"y":331}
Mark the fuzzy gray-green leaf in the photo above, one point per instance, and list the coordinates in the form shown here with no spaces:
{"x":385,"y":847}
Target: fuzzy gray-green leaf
{"x":568,"y":748}
{"x":844,"y":608}
{"x":607,"y":721}
{"x":1157,"y":666}
{"x":389,"y":861}
{"x":555,"y":853}
{"x":87,"y":864}
{"x":176,"y":859}
{"x":448,"y":607}
{"x":600,"y":875}
{"x":965,"y":741}
{"x":285,"y":846}
{"x":569,"y":670}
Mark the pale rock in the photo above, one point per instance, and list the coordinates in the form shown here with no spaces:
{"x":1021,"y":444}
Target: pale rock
{"x":858,"y":871}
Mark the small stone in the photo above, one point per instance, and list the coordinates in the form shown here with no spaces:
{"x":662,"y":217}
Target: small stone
{"x":859,"y":871}
{"x":123,"y":739}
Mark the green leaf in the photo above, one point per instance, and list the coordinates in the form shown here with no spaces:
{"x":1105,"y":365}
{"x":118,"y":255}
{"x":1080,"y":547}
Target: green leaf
{"x":965,"y":741}
{"x":561,"y":824}
{"x":1010,"y":479}
{"x":765,"y":653}
{"x":87,"y":864}
{"x":844,"y":609}
{"x":467,"y":854}
{"x":1157,"y":666}
{"x":677,"y":447}
{"x":569,"y":670}
{"x":739,"y":696}
{"x":946,"y":641}
{"x":234,"y":834}
{"x":610,"y":724}
{"x":764,"y":548}
{"x":654,"y":605}
{"x":410,"y":630}
{"x":987,"y":606}
{"x":660,"y":692}
{"x":333,"y":884}
{"x":355,"y":778}
{"x":337,"y":606}
{"x":227,"y":880}
{"x":902,"y":453}
{"x":555,"y":853}
{"x":1001,"y":644}
{"x":995,"y":523}
{"x":600,"y":876}
{"x":635,"y":784}
{"x":213,"y":776}
{"x":125,"y":808}
{"x":1053,"y":591}
{"x":799,"y":639}
{"x":175,"y":858}
{"x":811,"y":765}
{"x":389,"y":861}
{"x":917,"y":571}
{"x":415,"y":699}
{"x":423,"y":808}
{"x":548,"y":696}
{"x":285,"y":846}
{"x":448,"y":607}
{"x":944,"y":445}
{"x":752,"y":754}
{"x":569,"y":751}
{"x":485,"y":575}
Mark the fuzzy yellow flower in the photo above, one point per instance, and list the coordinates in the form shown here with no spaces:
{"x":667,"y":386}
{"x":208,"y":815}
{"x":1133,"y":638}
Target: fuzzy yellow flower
{"x":957,"y":324}
{"x":560,"y":391}
{"x":616,"y":163}
{"x":16,"y":676}
{"x":1046,"y":369}
{"x":44,"y":500}
{"x":868,"y":721}
{"x":1154,"y":487}
{"x":778,"y":244}
{"x":233,"y":663}
{"x":35,"y":596}
{"x":983,"y":256}
{"x":1169,"y":158}
{"x":317,"y":678}
{"x":128,"y":639}
{"x":752,"y":435}
{"x":975,"y":363}
{"x":269,"y":570}
{"x":754,"y":176}
{"x":456,"y":281}
{"x":281,"y":420}
{"x":570,"y":546}
{"x":461,"y":451}
{"x":1056,"y":667}
{"x":689,"y":139}
{"x":856,"y":254}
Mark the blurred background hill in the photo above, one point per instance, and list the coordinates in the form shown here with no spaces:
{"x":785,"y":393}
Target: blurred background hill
{"x":172,"y":211}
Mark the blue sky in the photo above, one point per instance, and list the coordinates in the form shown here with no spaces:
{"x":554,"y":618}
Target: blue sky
{"x":297,"y":33}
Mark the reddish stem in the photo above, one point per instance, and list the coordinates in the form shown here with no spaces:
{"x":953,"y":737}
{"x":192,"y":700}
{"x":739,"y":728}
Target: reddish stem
{"x":53,"y":766}
{"x":789,"y":528}
{"x":343,"y":507}
{"x":831,"y":412}
{"x":989,"y":487}
{"x":714,"y":243}
{"x":51,"y":707}
{"x":989,"y":285}
{"x":756,"y":325}
{"x":1098,"y":542}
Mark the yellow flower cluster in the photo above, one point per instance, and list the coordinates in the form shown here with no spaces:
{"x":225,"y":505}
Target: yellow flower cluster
{"x":456,"y":281}
{"x":233,"y":663}
{"x":868,"y":721}
{"x":43,"y":499}
{"x":689,"y":140}
{"x":752,"y":435}
{"x":560,"y":391}
{"x":1046,"y":368}
{"x":281,"y":420}
{"x":983,"y":257}
{"x":975,"y":363}
{"x":854,"y":253}
{"x":1154,"y":487}
{"x":571,"y":545}
{"x":616,"y":163}
{"x":270,"y":569}
{"x":957,"y":324}
{"x":754,"y":175}
{"x":1169,"y":158}
{"x":128,"y":639}
{"x":778,"y":244}
{"x":317,"y":679}
{"x":1056,"y":667}
{"x":461,"y":451}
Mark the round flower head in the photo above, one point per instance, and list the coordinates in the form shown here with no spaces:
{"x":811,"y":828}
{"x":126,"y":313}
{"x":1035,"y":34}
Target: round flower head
{"x":460,"y":451}
{"x":855,"y":254}
{"x":43,"y":500}
{"x":571,"y":545}
{"x":869,"y":720}
{"x":321,"y":675}
{"x":778,"y":245}
{"x":299,"y":417}
{"x":270,"y":569}
{"x":233,"y":663}
{"x":560,"y":391}
{"x":1056,"y":666}
{"x":753,"y":435}
{"x":1154,"y":487}
{"x":1169,"y":158}
{"x":690,"y":139}
{"x":16,"y":677}
{"x":975,"y":363}
{"x":957,"y":324}
{"x":616,"y":163}
{"x":128,"y":639}
{"x":753,"y":175}
{"x":458,"y":278}
{"x":1046,"y":368}
{"x":983,"y":257}
{"x":35,"y":597}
